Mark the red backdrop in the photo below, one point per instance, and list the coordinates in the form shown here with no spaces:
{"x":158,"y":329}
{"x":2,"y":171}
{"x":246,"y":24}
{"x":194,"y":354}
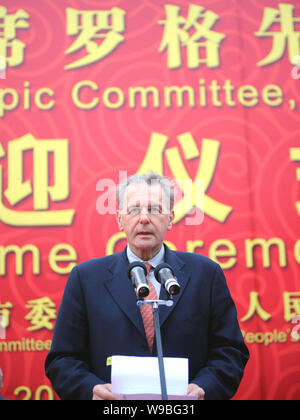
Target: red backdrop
{"x":202,"y":89}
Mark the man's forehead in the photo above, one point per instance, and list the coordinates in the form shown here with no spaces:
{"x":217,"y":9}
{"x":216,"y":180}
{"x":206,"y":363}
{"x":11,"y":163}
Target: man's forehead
{"x":143,"y":192}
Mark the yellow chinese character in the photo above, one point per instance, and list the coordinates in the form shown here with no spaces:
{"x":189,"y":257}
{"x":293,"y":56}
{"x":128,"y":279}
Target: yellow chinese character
{"x":291,"y":302}
{"x":295,"y":157}
{"x":18,"y":189}
{"x":201,"y":40}
{"x":286,"y":36}
{"x":5,"y":315}
{"x":43,"y":310}
{"x":9,"y":23}
{"x":92,"y":25}
{"x":255,"y":307}
{"x":194,"y":191}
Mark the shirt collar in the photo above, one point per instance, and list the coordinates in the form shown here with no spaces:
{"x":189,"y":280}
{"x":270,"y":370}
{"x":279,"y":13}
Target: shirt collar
{"x":157,"y":259}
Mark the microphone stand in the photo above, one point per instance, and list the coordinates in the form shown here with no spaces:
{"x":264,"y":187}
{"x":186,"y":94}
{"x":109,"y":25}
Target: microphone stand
{"x":155,"y":304}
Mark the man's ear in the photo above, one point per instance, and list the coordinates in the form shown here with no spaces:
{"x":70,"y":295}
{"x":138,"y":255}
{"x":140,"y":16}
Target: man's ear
{"x":119,"y":220}
{"x":171,"y":218}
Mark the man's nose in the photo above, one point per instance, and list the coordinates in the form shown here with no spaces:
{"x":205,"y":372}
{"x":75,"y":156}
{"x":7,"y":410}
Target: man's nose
{"x":144,"y":216}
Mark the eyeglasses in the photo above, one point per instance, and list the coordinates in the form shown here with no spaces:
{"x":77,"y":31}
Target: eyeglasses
{"x":153,"y":210}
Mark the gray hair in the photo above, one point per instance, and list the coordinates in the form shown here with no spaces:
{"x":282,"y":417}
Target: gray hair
{"x":151,"y":178}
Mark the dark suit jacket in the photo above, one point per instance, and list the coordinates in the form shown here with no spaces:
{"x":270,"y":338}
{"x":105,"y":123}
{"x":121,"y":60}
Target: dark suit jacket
{"x":98,"y":318}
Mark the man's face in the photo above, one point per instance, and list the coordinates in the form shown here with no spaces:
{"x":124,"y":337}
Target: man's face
{"x":145,"y":218}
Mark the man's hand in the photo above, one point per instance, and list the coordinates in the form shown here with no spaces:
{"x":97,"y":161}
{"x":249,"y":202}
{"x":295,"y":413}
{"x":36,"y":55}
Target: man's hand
{"x":196,"y":391}
{"x":103,"y":392}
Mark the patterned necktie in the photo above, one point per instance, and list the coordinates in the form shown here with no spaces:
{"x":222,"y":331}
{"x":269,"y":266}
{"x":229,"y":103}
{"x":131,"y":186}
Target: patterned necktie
{"x":146,"y":312}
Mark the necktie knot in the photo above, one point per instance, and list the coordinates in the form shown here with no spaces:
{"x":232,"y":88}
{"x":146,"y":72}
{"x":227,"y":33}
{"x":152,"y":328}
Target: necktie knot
{"x":148,"y":267}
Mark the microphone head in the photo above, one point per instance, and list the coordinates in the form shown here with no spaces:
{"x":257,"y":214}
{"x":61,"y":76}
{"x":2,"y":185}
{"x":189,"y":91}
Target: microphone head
{"x":136,"y":264}
{"x":139,"y":281}
{"x":160,"y":267}
{"x":164,"y":274}
{"x":174,"y":289}
{"x":142,"y":292}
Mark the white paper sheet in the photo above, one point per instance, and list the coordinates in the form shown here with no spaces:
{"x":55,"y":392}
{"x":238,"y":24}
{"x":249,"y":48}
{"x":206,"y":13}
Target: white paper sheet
{"x":140,"y":375}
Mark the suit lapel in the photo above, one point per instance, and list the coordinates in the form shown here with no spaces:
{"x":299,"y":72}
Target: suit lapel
{"x":178,"y":265}
{"x":122,"y":291}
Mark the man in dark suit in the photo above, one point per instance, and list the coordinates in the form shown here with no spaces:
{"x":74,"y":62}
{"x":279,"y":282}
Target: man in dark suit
{"x":98,"y":316}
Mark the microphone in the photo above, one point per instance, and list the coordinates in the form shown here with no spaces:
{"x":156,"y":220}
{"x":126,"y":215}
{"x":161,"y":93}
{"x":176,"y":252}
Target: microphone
{"x":137,"y":273}
{"x":165,"y":275}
